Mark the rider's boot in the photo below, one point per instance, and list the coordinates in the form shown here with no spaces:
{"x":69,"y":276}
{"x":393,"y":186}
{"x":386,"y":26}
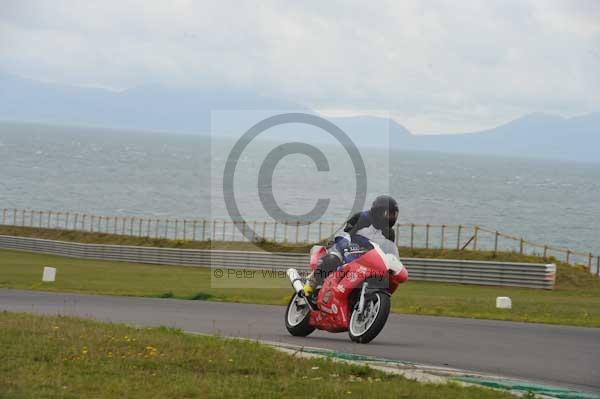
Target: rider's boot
{"x":310,"y":285}
{"x":308,"y":289}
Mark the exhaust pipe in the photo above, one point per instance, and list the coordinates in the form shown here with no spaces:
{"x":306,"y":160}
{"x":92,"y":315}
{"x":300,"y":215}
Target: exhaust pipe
{"x":295,"y":279}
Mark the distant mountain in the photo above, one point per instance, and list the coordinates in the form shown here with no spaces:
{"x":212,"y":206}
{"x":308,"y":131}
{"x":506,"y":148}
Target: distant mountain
{"x":187,"y":110}
{"x":148,"y":107}
{"x":535,"y":135}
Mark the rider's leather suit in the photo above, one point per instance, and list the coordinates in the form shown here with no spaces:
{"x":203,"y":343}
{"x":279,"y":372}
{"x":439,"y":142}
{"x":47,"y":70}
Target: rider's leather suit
{"x":351,"y":242}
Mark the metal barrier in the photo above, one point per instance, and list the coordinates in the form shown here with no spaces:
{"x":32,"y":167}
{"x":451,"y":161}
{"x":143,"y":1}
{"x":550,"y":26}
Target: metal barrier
{"x":531,"y":275}
{"x":407,"y":235}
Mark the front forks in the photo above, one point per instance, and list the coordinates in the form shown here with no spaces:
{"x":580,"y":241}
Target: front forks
{"x":361,"y":301}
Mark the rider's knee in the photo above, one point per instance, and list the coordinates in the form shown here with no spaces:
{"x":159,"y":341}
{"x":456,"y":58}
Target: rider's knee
{"x":330,"y":262}
{"x":327,"y":265}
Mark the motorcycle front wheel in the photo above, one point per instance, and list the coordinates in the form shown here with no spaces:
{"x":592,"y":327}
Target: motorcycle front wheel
{"x":366,"y":325}
{"x":297,"y":316}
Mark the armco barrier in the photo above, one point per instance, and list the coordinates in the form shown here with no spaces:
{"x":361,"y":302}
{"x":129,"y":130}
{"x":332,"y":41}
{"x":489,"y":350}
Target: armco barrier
{"x":531,"y":275}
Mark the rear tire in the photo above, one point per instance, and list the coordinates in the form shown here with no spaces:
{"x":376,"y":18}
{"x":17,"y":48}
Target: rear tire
{"x":297,"y":318}
{"x":367,"y":325}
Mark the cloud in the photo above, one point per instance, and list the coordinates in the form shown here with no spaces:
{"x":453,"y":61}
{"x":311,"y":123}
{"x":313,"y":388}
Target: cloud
{"x":435,"y":66}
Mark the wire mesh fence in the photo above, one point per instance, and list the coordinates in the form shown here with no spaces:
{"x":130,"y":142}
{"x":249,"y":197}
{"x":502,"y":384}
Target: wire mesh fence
{"x":432,"y":236}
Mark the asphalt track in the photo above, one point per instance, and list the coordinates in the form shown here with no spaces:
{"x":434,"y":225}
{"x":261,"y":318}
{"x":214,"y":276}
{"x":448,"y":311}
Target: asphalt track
{"x":559,"y":355}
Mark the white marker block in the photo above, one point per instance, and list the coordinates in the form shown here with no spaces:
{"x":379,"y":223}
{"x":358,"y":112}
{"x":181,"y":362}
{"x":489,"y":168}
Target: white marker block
{"x":49,"y":274}
{"x":503,"y":302}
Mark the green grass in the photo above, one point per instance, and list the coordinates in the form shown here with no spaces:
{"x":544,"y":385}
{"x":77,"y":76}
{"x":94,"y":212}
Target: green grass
{"x":576,"y":300}
{"x":60,"y":357}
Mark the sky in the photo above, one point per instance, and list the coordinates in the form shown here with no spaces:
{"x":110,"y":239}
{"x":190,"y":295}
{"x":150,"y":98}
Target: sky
{"x":434,"y":66}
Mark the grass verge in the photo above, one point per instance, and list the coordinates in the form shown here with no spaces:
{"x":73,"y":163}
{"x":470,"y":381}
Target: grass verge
{"x":576,"y":300}
{"x":60,"y":357}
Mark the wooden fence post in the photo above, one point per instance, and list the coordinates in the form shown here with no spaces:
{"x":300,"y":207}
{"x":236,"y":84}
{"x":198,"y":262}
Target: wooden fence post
{"x":4,"y":216}
{"x":443,"y":228}
{"x":275,"y":231}
{"x":194,"y":223}
{"x":176,"y":227}
{"x":598,"y":265}
{"x":23,"y":217}
{"x":244,"y":228}
{"x":140,"y":227}
{"x":15,"y":217}
{"x":308,"y":226}
{"x":66,"y":220}
{"x":412,"y":235}
{"x":83,"y":222}
{"x":496,"y":243}
{"x":521,"y":245}
{"x":203,"y":230}
{"x":427,"y":236}
{"x":31,"y":217}
{"x":224,"y":228}
{"x":49,"y":218}
{"x":92,"y":217}
{"x":458,"y":237}
{"x":590,"y":262}
{"x":297,"y":230}
{"x":475,"y":234}
{"x":568,"y":255}
{"x":545,"y":251}
{"x":285,"y":230}
{"x":253,"y":231}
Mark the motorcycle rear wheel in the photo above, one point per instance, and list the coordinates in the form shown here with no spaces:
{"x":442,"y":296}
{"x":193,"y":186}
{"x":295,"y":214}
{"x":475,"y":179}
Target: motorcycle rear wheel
{"x":297,"y":317}
{"x":365,"y":326}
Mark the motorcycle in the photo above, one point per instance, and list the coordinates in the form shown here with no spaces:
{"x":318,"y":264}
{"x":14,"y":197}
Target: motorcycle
{"x":355,"y":298}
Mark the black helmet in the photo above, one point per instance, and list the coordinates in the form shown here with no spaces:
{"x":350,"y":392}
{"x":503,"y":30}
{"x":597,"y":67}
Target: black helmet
{"x":384,"y":212}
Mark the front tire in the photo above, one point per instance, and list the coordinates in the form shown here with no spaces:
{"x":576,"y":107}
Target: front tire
{"x":297,"y":317}
{"x":365,"y":326}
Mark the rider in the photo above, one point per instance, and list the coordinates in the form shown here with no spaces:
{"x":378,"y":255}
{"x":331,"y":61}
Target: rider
{"x":375,"y":225}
